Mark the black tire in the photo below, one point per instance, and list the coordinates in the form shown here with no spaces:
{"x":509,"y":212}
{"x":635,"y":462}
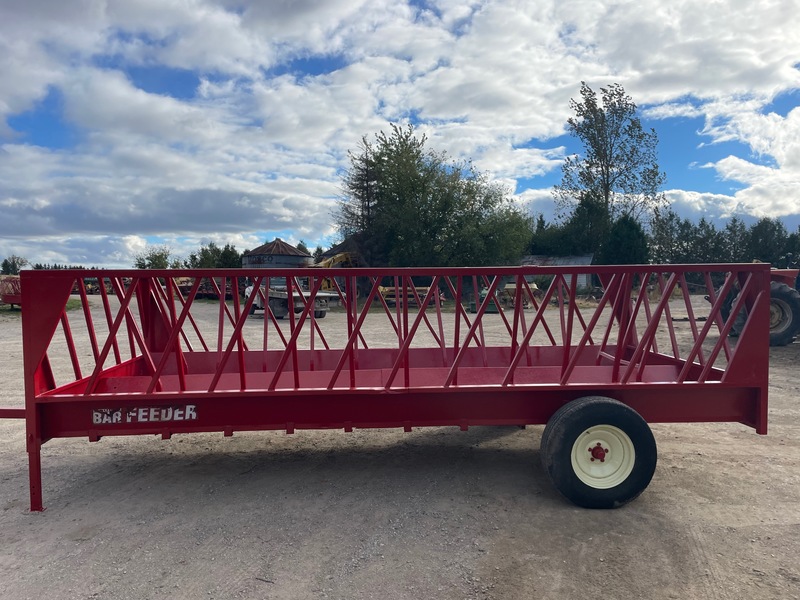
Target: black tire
{"x":252,"y":310}
{"x":784,"y":314}
{"x":727,"y":304}
{"x":605,"y":426}
{"x":319,"y":314}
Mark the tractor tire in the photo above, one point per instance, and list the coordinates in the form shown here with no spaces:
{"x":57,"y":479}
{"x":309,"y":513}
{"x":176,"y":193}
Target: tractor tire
{"x":598,"y":452}
{"x":784,"y":314}
{"x":727,"y":304}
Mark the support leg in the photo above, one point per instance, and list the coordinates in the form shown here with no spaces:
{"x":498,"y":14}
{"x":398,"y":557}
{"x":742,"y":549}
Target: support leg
{"x":35,"y":472}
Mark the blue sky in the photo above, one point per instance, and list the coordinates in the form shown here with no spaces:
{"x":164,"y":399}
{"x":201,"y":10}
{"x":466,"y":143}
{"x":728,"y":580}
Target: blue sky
{"x":125,"y":123}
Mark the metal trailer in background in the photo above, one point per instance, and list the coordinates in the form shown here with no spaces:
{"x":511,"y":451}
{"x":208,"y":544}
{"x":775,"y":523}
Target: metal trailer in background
{"x":10,"y":292}
{"x":150,"y":358}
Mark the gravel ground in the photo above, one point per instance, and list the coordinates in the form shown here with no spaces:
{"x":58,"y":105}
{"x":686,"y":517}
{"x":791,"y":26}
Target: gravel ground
{"x":435,"y":513}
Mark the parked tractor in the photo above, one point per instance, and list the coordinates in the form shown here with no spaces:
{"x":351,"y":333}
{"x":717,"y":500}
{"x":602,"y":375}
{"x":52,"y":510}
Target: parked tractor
{"x":784,"y":308}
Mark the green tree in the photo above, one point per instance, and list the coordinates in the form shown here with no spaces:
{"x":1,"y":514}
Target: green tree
{"x":409,"y":206}
{"x":664,"y":237}
{"x":548,"y":239}
{"x":301,"y":245}
{"x":792,"y":256}
{"x":318,"y":252}
{"x":229,"y":258}
{"x":709,"y":243}
{"x":737,"y":241}
{"x":211,"y":256}
{"x":627,"y":243}
{"x":588,"y":227}
{"x":13,"y":264}
{"x":156,"y":257}
{"x":618,"y":173}
{"x":768,"y":240}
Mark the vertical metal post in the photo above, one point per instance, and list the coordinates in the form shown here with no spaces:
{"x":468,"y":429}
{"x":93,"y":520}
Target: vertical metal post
{"x":35,"y":472}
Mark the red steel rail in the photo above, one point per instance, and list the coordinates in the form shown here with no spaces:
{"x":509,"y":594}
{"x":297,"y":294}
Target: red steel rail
{"x":146,"y":356}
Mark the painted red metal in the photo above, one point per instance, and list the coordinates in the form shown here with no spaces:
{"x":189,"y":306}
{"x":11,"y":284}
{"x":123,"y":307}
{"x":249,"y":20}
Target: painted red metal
{"x":598,"y":453}
{"x":787,"y":276}
{"x":10,"y":292}
{"x":148,"y":357}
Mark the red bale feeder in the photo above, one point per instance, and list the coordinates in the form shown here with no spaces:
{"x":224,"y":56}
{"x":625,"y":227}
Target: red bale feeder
{"x":147,"y":357}
{"x":10,"y":290}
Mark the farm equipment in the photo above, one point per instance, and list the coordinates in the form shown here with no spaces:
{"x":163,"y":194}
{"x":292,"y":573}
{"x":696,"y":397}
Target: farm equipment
{"x":279,"y":300}
{"x":10,"y":292}
{"x":150,"y":359}
{"x":493,"y":306}
{"x":404,"y":294}
{"x":784,"y":307}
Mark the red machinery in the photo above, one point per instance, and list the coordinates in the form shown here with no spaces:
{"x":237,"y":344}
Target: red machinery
{"x":147,"y":358}
{"x":10,"y":292}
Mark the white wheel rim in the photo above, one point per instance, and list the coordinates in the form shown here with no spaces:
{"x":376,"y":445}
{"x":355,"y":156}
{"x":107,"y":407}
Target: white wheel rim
{"x":603,"y":456}
{"x":778,"y":315}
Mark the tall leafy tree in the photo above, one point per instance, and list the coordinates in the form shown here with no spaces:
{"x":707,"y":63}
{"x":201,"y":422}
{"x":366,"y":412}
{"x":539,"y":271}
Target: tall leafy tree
{"x":13,"y":264}
{"x":211,"y":256}
{"x":407,"y":206}
{"x":229,"y":257}
{"x":618,"y":173}
{"x":156,"y":257}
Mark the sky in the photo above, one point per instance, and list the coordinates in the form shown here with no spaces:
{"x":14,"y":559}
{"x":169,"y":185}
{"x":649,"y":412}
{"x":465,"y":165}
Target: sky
{"x":131,"y":123}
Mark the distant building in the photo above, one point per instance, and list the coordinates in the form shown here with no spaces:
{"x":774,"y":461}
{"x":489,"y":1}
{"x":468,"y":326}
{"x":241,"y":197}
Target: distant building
{"x":540,"y":260}
{"x":277,"y":254}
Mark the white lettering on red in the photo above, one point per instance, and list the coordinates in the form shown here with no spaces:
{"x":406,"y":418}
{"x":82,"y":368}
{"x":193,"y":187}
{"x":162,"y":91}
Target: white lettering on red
{"x":149,"y":414}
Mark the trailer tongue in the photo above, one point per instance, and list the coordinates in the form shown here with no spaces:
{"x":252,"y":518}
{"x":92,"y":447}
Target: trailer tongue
{"x":149,"y":358}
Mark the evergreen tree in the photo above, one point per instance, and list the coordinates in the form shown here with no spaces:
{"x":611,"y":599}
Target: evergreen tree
{"x":626,"y":245}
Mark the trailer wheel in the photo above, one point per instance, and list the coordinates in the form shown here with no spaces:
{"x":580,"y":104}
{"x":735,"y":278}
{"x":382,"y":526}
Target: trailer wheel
{"x":319,"y":314}
{"x":598,"y":452}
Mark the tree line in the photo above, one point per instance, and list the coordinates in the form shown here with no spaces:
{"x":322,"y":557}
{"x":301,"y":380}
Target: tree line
{"x":675,"y":240}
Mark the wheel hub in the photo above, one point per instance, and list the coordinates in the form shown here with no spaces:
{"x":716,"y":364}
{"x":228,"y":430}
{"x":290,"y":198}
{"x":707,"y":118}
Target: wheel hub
{"x":598,"y":452}
{"x":777,"y":314}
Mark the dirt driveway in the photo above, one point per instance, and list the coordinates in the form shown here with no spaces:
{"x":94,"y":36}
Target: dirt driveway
{"x":436,"y":513}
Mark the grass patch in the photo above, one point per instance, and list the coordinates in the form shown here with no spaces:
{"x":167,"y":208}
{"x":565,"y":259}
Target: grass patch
{"x":5,"y":309}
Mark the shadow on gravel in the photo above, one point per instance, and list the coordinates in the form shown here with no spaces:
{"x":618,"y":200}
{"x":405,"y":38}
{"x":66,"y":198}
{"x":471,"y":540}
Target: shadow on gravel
{"x":273,"y":467}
